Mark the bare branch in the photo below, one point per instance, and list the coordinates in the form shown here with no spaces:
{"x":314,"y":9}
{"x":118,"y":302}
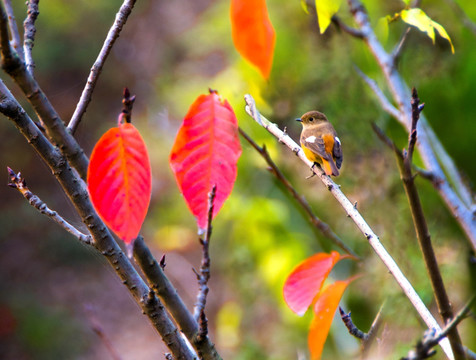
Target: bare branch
{"x":424,"y":348}
{"x":384,"y":102}
{"x":76,"y":191}
{"x":315,"y":221}
{"x":51,"y":121}
{"x":113,"y":34}
{"x":29,"y":34}
{"x":353,"y":213}
{"x":345,"y":28}
{"x":397,"y":51}
{"x":457,"y":198}
{"x":204,"y":275}
{"x":16,"y":40}
{"x":349,"y":324}
{"x":175,"y":305}
{"x":17,"y":182}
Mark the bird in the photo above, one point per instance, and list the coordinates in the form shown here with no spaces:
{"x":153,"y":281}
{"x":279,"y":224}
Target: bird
{"x":320,"y":142}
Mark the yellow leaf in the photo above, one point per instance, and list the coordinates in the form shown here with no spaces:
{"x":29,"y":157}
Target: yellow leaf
{"x":304,"y":6}
{"x":326,"y":9}
{"x":417,"y":17}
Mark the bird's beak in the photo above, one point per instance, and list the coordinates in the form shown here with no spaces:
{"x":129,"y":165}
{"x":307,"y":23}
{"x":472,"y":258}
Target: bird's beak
{"x":298,"y":119}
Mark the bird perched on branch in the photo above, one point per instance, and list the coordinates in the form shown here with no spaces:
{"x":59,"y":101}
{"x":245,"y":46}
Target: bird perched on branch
{"x":320,"y":143}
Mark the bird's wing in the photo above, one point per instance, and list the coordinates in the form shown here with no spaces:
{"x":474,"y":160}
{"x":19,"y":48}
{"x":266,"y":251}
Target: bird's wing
{"x":337,"y":152}
{"x":316,"y":145}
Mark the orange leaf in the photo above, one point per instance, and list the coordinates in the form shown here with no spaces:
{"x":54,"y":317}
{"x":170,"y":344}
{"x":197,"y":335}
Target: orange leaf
{"x":324,"y":309}
{"x":305,"y":281}
{"x":205,"y":153}
{"x":253,"y":34}
{"x":119,"y":180}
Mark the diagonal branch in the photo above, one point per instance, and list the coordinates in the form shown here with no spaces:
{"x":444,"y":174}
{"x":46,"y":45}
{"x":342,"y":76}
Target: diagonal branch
{"x":113,"y":34}
{"x":17,"y":182}
{"x":76,"y":191}
{"x":29,"y":35}
{"x":316,"y":222}
{"x":16,"y":40}
{"x":353,"y":213}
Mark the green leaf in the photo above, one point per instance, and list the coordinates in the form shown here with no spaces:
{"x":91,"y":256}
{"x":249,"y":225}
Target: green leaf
{"x":304,"y":6}
{"x":326,"y":9}
{"x":381,"y":29}
{"x":417,"y":17}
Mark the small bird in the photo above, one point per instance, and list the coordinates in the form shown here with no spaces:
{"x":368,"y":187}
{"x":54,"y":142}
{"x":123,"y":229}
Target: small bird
{"x":320,"y":143}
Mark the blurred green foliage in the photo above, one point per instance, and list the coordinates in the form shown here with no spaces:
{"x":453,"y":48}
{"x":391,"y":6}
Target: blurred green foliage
{"x":168,"y":54}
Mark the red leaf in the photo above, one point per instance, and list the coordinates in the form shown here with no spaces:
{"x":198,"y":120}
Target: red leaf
{"x":253,"y":34}
{"x":305,"y":281}
{"x":324,"y":310}
{"x":119,"y":180}
{"x":205,"y":153}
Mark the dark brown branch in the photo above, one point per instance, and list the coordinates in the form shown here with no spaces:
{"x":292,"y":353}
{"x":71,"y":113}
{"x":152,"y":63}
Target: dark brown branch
{"x":76,"y":191}
{"x":51,"y":121}
{"x":29,"y":34}
{"x":17,"y":182}
{"x":175,"y":305}
{"x":315,"y":221}
{"x":349,"y":324}
{"x":404,"y":161}
{"x":424,"y":348}
{"x":127,"y":105}
{"x":337,"y":21}
{"x":113,"y":34}
{"x":204,"y":275}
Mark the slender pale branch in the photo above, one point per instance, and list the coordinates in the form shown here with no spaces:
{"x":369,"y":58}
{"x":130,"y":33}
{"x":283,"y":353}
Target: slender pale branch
{"x":323,"y":227}
{"x":16,"y":40}
{"x":55,"y":128}
{"x":359,"y":221}
{"x":76,"y":191}
{"x":451,"y":187}
{"x":113,"y":34}
{"x":17,"y":182}
{"x":29,"y":34}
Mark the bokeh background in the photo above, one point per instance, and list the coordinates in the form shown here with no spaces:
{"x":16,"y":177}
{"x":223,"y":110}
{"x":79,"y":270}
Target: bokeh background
{"x":54,"y":291}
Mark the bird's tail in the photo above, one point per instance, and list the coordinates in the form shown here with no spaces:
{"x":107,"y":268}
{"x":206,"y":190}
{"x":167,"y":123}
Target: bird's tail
{"x":330,"y":167}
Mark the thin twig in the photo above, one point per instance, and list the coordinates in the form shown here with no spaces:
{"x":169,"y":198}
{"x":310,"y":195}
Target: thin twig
{"x":113,"y":34}
{"x":175,"y":305}
{"x":462,"y":15}
{"x":421,"y":228}
{"x":424,"y":348}
{"x":372,"y":333}
{"x":17,"y":182}
{"x":29,"y":35}
{"x":384,"y":102}
{"x":353,"y":213}
{"x":345,"y":28}
{"x":16,"y":40}
{"x":323,"y":227}
{"x":397,"y":51}
{"x":204,"y":275}
{"x":98,"y":330}
{"x":349,"y":324}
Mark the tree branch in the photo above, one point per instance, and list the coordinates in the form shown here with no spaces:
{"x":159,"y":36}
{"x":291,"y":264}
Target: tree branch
{"x":17,"y":182}
{"x":113,"y":34}
{"x":16,"y":40}
{"x":54,"y":126}
{"x":315,"y":221}
{"x":204,"y":275}
{"x":355,"y":216}
{"x":175,"y":305}
{"x":458,"y":198}
{"x":76,"y":191}
{"x":29,"y":35}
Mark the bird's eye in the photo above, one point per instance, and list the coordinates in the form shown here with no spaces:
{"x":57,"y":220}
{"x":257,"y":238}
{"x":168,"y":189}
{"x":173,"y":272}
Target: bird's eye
{"x":311,"y":119}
